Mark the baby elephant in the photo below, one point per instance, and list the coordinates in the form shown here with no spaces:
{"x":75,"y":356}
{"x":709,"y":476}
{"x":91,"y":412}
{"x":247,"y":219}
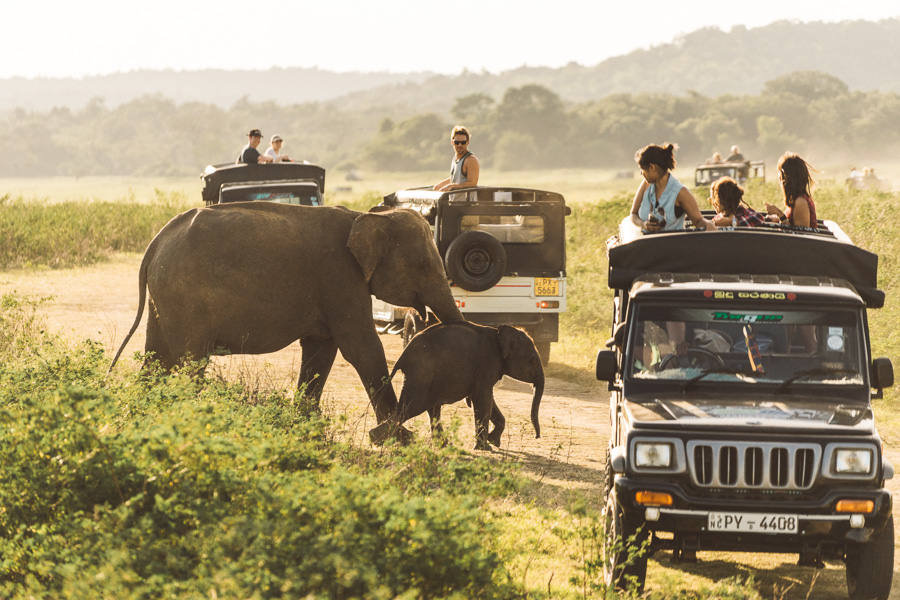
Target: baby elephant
{"x":451,"y":361}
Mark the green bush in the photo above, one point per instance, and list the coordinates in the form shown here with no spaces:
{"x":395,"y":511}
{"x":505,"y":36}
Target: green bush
{"x":172,"y":487}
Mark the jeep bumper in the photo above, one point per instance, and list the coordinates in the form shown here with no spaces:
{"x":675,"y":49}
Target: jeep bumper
{"x":818,"y":523}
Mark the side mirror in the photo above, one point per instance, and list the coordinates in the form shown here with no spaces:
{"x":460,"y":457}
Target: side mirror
{"x":882,"y":373}
{"x":618,"y":338}
{"x":607,"y":365}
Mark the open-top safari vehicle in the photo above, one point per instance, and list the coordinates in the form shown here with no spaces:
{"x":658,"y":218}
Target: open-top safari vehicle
{"x":504,"y":251}
{"x":741,"y":379}
{"x":741,"y":172}
{"x":288,"y":183}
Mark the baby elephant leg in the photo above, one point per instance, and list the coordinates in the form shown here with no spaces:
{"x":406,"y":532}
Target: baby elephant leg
{"x":482,"y":404}
{"x":437,"y":430}
{"x":413,"y":402}
{"x":499,"y":422}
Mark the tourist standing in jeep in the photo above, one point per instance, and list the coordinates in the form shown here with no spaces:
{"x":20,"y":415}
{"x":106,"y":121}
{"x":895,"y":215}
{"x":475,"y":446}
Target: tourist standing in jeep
{"x":661,"y":201}
{"x":464,"y":168}
{"x":249,"y":154}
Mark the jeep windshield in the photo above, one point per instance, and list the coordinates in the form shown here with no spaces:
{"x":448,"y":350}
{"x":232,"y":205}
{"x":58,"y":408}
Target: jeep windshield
{"x":791,"y":347}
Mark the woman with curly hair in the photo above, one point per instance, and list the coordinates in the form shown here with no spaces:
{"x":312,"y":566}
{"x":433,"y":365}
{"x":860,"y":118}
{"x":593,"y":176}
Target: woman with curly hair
{"x":661,"y":201}
{"x":727,"y":197}
{"x":796,"y":186}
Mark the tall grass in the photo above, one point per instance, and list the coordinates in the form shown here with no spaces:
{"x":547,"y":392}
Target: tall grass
{"x":57,"y":235}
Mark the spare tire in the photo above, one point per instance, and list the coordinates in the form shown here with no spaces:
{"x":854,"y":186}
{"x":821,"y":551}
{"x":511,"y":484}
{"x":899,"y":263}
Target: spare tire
{"x":475,"y":261}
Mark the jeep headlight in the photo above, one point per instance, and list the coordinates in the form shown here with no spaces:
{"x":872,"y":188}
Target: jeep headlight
{"x":653,"y":455}
{"x":854,"y":461}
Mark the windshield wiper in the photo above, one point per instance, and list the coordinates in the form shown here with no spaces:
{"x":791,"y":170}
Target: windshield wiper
{"x":728,"y":370}
{"x":810,"y":372}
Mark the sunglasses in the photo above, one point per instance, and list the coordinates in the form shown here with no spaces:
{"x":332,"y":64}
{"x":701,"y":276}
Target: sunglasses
{"x":460,"y":143}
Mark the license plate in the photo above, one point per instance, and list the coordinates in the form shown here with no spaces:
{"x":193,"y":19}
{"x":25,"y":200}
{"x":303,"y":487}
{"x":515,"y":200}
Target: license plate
{"x":546,"y":286}
{"x":752,"y":522}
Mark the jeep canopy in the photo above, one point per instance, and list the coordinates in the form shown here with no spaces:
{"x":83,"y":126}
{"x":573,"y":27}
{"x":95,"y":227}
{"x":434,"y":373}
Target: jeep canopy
{"x":215,"y":175}
{"x":826,"y":252}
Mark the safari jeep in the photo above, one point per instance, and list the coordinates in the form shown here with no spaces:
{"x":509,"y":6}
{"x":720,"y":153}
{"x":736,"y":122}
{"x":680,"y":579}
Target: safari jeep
{"x":741,"y":381}
{"x":504,"y":251}
{"x":288,"y":183}
{"x":741,"y":172}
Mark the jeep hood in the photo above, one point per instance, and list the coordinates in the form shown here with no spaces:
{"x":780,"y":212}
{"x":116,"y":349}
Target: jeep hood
{"x":763,"y":411}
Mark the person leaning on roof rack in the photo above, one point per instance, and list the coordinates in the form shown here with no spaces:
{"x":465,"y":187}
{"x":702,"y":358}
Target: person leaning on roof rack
{"x":464,"y":168}
{"x":274,"y":150}
{"x":250,"y":155}
{"x":796,"y":186}
{"x":727,"y":197}
{"x":661,"y":201}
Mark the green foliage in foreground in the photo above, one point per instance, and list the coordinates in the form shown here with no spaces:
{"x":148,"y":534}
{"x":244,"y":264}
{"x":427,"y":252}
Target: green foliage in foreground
{"x":68,"y":234}
{"x":171,"y":487}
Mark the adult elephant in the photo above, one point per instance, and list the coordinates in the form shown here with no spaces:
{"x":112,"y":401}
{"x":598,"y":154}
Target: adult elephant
{"x":253,"y":277}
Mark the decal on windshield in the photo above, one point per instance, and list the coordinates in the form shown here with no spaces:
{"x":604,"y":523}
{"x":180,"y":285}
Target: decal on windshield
{"x":746,"y":318}
{"x":723,"y":295}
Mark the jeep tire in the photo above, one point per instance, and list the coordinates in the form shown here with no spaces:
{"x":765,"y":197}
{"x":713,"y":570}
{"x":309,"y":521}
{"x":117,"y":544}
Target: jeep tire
{"x":412,"y":324}
{"x":870,"y":566}
{"x":475,"y":261}
{"x":624,"y":559}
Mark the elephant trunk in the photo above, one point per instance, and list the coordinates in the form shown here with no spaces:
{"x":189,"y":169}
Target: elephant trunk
{"x":535,"y":405}
{"x":443,"y":305}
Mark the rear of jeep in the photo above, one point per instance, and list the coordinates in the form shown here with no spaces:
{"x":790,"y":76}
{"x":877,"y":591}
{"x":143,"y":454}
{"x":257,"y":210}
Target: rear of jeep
{"x":287,"y":183}
{"x":740,"y":404}
{"x":504,"y":252}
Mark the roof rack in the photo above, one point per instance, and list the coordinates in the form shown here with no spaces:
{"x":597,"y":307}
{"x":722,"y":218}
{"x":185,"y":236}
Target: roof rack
{"x":789,"y":251}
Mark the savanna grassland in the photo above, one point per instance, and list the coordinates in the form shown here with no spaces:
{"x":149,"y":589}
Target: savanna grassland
{"x":134,"y":485}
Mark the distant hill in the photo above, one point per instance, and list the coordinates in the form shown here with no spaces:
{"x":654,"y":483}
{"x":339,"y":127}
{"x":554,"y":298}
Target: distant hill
{"x":863,"y":54}
{"x":223,"y":88}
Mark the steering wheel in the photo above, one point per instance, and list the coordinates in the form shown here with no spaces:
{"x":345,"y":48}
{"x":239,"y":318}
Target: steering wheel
{"x":694,"y":358}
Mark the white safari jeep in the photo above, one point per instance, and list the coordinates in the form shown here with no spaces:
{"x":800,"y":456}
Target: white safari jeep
{"x":504,"y":251}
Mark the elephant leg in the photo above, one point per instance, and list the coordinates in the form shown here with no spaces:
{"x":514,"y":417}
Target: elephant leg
{"x":437,"y":430}
{"x":482,"y":404}
{"x":364,"y":351}
{"x":499,"y":422}
{"x":411,"y":404}
{"x":434,"y":414}
{"x":316,"y":361}
{"x":156,"y":347}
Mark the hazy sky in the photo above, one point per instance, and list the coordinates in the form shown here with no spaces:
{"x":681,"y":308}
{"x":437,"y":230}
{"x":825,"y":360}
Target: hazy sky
{"x":62,"y":38}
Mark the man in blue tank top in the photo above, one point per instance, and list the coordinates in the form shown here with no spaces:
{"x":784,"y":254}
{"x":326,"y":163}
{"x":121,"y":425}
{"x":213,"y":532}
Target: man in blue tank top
{"x":464,"y":168}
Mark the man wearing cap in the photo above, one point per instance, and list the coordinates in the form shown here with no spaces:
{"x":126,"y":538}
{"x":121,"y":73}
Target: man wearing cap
{"x":274,"y":149}
{"x":250,"y":155}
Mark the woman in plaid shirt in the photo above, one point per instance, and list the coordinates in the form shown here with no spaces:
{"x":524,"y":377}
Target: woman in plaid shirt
{"x":727,"y":197}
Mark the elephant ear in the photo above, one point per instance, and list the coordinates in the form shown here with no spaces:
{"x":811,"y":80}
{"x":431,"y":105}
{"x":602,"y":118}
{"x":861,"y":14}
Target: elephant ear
{"x":508,"y":337}
{"x":369,"y":240}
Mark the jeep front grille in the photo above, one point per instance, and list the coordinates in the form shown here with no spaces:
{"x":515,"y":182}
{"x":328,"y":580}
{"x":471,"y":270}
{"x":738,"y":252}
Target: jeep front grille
{"x":769,"y":466}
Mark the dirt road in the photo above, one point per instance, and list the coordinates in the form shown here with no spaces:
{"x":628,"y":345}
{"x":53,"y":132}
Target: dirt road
{"x":100,"y":302}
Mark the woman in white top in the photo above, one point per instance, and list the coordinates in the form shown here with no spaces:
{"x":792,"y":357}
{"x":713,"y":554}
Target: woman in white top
{"x":661,"y":201}
{"x":274,"y":150}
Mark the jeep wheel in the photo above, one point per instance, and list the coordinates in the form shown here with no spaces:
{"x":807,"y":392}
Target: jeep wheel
{"x":475,"y":261}
{"x":624,"y":559}
{"x":870,"y":566}
{"x":412,"y":324}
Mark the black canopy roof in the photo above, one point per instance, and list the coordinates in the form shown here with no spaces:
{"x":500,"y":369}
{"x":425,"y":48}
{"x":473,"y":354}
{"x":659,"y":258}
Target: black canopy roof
{"x":747,"y":250}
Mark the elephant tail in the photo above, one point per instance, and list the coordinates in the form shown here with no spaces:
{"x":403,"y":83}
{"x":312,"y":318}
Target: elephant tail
{"x":535,"y":406}
{"x":142,"y":298}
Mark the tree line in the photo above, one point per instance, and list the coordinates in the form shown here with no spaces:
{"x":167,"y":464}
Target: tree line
{"x":527,"y":127}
